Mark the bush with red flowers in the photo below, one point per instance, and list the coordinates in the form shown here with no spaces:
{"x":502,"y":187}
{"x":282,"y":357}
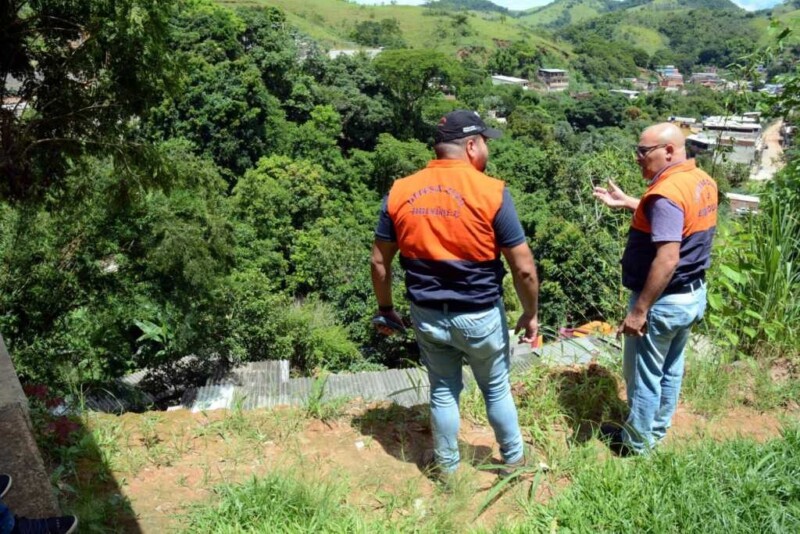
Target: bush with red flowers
{"x":51,"y":429}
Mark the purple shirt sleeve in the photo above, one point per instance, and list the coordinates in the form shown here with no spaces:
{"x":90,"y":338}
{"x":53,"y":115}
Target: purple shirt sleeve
{"x":507,"y":228}
{"x":666,"y":220}
{"x":385,"y":229}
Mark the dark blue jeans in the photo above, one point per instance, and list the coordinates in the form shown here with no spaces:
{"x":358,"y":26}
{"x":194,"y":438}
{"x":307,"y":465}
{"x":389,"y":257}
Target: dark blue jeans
{"x":6,"y":519}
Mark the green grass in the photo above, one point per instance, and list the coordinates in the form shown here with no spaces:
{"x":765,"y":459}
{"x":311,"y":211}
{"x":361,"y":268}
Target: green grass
{"x":318,"y":407}
{"x":647,"y":39}
{"x":278,"y":503}
{"x":755,"y":283}
{"x":791,"y":20}
{"x":736,"y":486}
{"x":285,"y":502}
{"x":691,"y":485}
{"x":708,"y":382}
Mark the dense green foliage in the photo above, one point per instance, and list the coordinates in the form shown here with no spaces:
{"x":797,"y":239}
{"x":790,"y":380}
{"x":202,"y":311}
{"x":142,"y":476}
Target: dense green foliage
{"x":90,"y":67}
{"x":385,"y":33}
{"x":214,"y":179}
{"x":756,"y":291}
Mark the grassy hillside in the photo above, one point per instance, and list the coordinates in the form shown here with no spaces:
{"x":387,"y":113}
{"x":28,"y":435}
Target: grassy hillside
{"x":647,"y":39}
{"x":791,"y":20}
{"x":684,"y":32}
{"x":562,"y":13}
{"x":667,"y":5}
{"x":565,"y":12}
{"x":332,"y":21}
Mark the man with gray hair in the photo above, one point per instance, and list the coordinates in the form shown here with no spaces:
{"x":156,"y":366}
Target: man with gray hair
{"x":664,"y":265}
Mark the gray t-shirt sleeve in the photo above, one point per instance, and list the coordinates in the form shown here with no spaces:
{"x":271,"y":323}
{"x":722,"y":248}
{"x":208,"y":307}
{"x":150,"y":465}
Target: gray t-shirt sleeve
{"x":666,"y":220}
{"x":384,"y":231}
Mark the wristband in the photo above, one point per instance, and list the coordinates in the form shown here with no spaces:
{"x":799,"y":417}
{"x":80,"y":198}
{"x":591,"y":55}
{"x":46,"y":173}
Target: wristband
{"x":388,"y":308}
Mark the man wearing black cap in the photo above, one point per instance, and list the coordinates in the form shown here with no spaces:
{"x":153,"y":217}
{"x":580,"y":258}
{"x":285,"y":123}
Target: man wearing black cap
{"x":450,"y":223}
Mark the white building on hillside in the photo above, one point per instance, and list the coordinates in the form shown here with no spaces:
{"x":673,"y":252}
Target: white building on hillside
{"x":499,"y":79}
{"x":627,"y":93}
{"x":370,"y":52}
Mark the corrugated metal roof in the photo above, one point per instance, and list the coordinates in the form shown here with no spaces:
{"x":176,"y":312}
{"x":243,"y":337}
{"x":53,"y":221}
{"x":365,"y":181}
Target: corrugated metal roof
{"x":267,"y":384}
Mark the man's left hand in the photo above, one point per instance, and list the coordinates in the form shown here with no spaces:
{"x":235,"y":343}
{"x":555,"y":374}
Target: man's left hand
{"x":635,"y":325}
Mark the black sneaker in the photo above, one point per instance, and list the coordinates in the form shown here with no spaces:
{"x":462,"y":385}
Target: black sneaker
{"x":50,"y":525}
{"x":5,"y":484}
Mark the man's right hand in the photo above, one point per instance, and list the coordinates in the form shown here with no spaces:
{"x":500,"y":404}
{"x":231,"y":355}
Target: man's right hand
{"x":613,"y":197}
{"x":529,"y":326}
{"x":391,"y":318}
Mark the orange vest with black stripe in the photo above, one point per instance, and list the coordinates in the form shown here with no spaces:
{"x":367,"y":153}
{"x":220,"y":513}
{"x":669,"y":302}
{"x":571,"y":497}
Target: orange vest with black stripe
{"x":695,"y":193}
{"x":443,"y":216}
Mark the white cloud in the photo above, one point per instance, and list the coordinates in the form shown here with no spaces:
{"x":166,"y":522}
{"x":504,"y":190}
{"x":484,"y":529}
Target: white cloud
{"x":754,"y":5}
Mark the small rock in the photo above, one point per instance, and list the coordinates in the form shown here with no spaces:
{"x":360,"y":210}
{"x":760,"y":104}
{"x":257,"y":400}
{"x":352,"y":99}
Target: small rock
{"x":419,"y":506}
{"x":360,"y":445}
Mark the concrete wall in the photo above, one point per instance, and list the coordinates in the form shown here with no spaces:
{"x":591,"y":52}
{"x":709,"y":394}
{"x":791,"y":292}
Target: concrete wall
{"x":31,"y":494}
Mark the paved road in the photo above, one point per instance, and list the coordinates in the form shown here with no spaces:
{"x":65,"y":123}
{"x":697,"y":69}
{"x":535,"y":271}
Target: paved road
{"x":772,"y":157}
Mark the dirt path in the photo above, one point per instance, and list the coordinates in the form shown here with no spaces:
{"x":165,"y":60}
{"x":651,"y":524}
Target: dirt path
{"x":772,"y":157}
{"x":169,"y":461}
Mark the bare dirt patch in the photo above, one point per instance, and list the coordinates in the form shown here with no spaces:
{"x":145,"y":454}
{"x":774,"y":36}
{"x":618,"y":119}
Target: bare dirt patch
{"x":169,"y":461}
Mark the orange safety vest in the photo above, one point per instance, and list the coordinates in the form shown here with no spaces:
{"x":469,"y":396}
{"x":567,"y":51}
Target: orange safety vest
{"x":695,"y":193}
{"x":443,"y":217}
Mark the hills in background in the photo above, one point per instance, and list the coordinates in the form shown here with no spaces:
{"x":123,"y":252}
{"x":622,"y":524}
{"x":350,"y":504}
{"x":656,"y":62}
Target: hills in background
{"x":445,"y":27}
{"x":479,"y":26}
{"x":562,"y":13}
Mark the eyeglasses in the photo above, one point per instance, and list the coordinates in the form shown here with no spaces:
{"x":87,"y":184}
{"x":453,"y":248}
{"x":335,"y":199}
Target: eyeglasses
{"x":643,"y":151}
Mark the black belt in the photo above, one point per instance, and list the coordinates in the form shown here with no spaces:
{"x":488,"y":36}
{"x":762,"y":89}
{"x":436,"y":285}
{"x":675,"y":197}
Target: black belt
{"x":691,"y":287}
{"x":456,"y":306}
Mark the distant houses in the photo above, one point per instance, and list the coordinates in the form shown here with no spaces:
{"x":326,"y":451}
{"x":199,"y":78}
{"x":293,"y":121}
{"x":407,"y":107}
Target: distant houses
{"x":708,"y":79}
{"x":547,"y":80}
{"x":736,"y":138}
{"x":742,"y":204}
{"x":369,"y":52}
{"x":627,"y":93}
{"x":554,"y":79}
{"x":669,"y":77}
{"x":499,"y":79}
{"x":15,"y":105}
{"x":11,"y":101}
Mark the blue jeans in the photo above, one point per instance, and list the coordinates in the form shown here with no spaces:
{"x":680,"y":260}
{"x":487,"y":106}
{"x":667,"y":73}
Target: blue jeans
{"x":6,"y":519}
{"x":446,"y":339}
{"x":653,"y":366}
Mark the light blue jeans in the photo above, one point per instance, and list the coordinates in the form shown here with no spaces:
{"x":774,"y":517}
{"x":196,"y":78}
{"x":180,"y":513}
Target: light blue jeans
{"x":653,"y":366}
{"x":448,"y":339}
{"x":7,"y":520}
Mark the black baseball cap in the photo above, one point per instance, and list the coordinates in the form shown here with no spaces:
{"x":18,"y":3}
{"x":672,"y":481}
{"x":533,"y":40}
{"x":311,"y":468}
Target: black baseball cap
{"x":463,"y":123}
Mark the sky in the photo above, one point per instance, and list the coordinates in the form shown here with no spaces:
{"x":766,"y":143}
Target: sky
{"x":750,"y":5}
